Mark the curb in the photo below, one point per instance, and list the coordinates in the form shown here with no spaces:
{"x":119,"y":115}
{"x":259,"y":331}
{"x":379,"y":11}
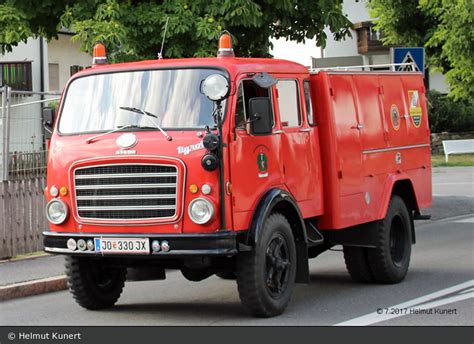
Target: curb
{"x":35,"y":287}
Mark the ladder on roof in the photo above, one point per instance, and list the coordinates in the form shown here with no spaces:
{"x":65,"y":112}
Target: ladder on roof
{"x":409,"y":67}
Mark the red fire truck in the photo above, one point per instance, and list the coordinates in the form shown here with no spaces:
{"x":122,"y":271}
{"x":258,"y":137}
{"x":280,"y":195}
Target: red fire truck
{"x":241,"y":167}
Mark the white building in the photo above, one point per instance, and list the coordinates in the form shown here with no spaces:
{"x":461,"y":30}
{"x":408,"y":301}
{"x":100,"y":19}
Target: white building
{"x":42,"y":66}
{"x":363,"y":48}
{"x":36,"y":66}
{"x":64,"y":59}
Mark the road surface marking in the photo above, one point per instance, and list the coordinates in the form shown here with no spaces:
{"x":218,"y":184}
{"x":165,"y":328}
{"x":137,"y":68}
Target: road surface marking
{"x":425,"y":302}
{"x":469,"y":220}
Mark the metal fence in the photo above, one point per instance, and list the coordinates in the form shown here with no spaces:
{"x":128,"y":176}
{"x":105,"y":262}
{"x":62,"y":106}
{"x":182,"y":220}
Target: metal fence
{"x":23,"y":145}
{"x":22,"y":170}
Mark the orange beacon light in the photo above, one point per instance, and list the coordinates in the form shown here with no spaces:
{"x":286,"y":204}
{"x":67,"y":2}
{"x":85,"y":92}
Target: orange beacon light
{"x":225,"y":45}
{"x":99,"y":54}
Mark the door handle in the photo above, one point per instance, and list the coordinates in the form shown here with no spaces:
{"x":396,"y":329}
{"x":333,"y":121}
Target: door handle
{"x":278,"y":132}
{"x":358,"y":127}
{"x":305,"y":130}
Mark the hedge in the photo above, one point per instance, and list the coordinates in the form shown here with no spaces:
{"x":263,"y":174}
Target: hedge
{"x":447,"y":115}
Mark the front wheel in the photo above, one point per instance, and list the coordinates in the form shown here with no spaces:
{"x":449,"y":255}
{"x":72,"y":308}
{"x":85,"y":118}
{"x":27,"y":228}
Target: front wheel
{"x":266,"y":275}
{"x":93,"y":284}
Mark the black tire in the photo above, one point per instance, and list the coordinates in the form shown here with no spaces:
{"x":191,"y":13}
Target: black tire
{"x":266,"y":275}
{"x":93,"y":285}
{"x":389,"y":262}
{"x":357,"y":264}
{"x":228,"y":275}
{"x":195,"y":275}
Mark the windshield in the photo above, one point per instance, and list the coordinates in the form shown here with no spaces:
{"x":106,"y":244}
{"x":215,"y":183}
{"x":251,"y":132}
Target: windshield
{"x":92,"y":103}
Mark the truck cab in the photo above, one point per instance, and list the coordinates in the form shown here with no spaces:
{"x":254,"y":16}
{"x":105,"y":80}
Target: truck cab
{"x":224,"y":166}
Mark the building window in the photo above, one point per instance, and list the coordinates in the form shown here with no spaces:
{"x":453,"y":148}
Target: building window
{"x":53,"y":76}
{"x":374,"y":35}
{"x":17,"y":75}
{"x":75,"y":68}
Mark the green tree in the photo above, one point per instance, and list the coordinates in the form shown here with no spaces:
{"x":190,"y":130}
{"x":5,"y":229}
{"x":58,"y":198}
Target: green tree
{"x":443,"y":27}
{"x":134,"y":29}
{"x":21,"y":19}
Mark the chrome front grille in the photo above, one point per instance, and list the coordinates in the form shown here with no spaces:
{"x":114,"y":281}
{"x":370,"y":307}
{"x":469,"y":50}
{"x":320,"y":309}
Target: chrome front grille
{"x":126,"y":192}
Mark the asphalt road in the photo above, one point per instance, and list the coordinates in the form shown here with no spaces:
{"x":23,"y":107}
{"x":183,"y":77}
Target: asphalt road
{"x":438,"y":290}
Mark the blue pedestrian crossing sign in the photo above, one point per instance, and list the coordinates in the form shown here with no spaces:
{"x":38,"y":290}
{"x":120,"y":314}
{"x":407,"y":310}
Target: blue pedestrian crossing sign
{"x":409,"y":55}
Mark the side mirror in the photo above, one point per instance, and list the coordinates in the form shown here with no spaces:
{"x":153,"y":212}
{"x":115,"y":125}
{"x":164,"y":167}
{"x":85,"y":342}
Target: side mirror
{"x":48,"y":121}
{"x":261,"y":116}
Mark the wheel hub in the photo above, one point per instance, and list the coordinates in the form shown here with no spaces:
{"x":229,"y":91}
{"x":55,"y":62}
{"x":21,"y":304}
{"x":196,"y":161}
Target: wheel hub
{"x":277,"y":266}
{"x":397,"y":241}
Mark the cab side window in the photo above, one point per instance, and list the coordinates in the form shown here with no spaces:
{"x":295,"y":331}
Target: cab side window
{"x":239,"y":108}
{"x":247,"y":90}
{"x":288,"y":102}
{"x":309,"y":106}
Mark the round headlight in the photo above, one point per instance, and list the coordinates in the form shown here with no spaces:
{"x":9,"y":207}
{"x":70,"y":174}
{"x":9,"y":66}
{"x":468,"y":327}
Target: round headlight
{"x":215,"y":87}
{"x":200,"y":211}
{"x":56,"y":211}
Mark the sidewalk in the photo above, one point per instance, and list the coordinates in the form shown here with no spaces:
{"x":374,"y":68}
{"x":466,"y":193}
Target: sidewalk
{"x":31,"y":276}
{"x":28,"y":269}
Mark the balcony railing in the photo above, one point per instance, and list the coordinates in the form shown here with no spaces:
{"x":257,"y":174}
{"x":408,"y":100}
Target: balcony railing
{"x":369,"y":40}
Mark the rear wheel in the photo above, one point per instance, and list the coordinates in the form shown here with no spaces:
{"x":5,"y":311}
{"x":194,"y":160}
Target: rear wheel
{"x":266,"y":275}
{"x":390,"y":260}
{"x":195,"y":275}
{"x":357,"y":264}
{"x":92,"y":284}
{"x":228,"y":275}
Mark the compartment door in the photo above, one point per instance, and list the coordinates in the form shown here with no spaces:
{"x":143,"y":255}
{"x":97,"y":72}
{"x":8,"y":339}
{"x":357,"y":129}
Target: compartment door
{"x":394,"y":110}
{"x":370,"y":112}
{"x":348,"y":130}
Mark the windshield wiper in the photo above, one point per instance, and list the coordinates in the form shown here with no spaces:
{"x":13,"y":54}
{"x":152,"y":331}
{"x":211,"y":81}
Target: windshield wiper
{"x":150,"y":116}
{"x":93,"y":138}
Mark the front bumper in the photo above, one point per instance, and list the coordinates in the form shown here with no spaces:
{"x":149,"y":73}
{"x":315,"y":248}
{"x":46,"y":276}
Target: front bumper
{"x":222,"y":243}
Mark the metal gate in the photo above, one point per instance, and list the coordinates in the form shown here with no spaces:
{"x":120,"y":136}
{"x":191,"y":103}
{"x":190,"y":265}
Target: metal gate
{"x":23,"y":155}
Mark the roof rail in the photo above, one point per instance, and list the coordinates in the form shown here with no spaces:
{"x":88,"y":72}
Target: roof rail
{"x":412,"y":67}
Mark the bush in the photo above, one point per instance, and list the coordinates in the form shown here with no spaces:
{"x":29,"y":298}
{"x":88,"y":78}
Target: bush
{"x":445,"y":114}
{"x":54,"y":105}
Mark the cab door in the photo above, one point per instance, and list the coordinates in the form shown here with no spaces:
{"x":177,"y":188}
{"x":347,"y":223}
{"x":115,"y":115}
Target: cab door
{"x":296,"y":153}
{"x":254,"y":160}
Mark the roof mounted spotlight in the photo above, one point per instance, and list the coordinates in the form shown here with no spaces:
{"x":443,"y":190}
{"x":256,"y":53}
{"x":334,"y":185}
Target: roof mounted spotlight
{"x":225,"y":45}
{"x":99,"y":54}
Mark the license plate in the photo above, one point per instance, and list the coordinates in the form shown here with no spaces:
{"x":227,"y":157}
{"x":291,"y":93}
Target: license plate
{"x":122,"y":245}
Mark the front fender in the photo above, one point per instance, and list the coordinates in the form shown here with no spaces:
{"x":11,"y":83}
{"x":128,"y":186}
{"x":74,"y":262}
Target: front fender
{"x":282,"y":201}
{"x":266,"y":205}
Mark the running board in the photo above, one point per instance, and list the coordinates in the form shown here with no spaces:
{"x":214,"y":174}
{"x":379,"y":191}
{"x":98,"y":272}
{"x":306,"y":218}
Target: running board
{"x":313,"y":234}
{"x":419,"y":216}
